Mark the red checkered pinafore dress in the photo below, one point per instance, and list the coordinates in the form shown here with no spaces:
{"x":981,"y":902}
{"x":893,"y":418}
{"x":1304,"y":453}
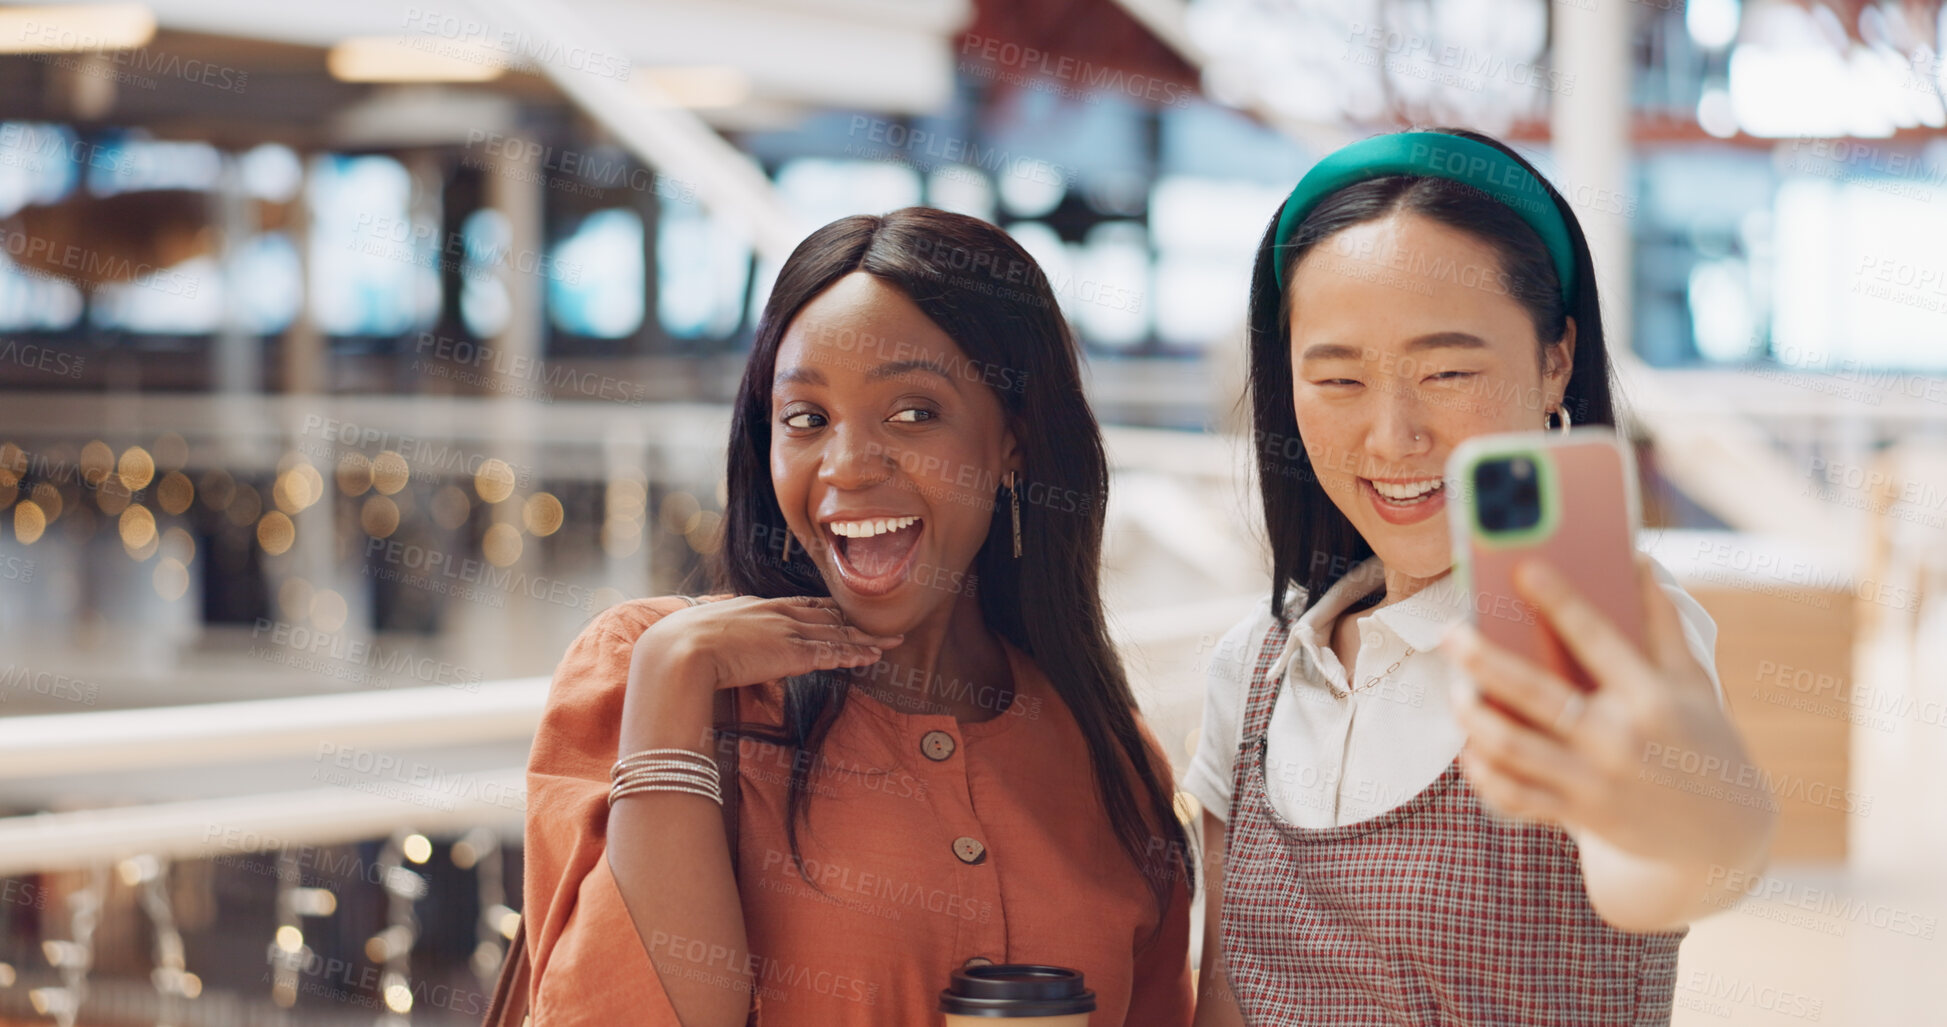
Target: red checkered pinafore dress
{"x":1434,"y":912}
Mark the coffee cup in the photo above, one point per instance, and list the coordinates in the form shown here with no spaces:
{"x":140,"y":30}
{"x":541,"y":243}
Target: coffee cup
{"x":1027,"y":993}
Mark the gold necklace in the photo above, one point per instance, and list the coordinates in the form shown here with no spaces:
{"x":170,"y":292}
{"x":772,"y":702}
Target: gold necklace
{"x":1376,"y":678}
{"x":1362,"y":603}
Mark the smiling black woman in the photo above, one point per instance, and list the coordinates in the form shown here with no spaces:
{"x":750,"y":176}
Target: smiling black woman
{"x":941,"y":763}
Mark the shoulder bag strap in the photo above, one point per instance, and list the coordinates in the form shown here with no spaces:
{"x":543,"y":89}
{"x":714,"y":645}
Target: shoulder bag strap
{"x":508,"y":1008}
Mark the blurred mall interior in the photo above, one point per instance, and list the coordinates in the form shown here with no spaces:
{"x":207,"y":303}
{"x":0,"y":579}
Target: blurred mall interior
{"x":353,"y":355}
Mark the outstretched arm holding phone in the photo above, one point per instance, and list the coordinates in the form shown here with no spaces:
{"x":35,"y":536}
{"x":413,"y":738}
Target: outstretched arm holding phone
{"x":1646,"y":772}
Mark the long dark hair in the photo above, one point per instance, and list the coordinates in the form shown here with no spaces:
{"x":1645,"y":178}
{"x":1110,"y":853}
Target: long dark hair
{"x":984,"y":291}
{"x":1313,"y":545}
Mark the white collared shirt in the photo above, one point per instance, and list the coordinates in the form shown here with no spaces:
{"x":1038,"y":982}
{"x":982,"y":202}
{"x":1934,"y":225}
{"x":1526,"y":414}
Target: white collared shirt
{"x":1333,"y":759}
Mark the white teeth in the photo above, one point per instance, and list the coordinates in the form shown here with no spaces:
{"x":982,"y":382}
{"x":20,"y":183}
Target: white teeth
{"x":1407,"y":490}
{"x":867,"y":529}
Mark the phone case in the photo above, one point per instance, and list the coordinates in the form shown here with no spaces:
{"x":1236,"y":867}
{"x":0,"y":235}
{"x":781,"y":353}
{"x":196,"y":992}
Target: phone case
{"x":1586,"y":482}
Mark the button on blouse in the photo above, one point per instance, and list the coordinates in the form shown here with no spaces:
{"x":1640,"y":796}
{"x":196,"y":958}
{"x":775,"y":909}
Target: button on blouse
{"x":937,"y":745}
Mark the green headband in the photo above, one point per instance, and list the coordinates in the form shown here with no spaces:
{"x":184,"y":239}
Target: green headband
{"x":1438,"y":155}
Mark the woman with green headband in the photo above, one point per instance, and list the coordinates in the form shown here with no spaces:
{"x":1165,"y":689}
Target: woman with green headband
{"x":1406,"y":824}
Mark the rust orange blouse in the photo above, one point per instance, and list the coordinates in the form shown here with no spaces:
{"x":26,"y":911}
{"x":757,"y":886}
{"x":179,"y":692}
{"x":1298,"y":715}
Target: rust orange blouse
{"x":933,"y":842}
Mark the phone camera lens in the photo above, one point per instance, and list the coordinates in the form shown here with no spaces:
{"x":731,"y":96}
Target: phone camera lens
{"x":1507,"y":494}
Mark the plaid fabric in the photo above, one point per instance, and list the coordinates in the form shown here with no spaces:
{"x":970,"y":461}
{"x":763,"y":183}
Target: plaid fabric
{"x":1435,"y":912}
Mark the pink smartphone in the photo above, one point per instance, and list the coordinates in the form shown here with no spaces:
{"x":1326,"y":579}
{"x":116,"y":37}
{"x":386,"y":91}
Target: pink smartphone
{"x":1568,"y":498}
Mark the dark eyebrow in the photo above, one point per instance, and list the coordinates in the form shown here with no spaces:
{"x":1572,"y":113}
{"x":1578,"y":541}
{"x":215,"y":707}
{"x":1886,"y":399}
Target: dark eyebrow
{"x":799,"y":375}
{"x":1330,"y":351}
{"x":1437,"y":340}
{"x":892,"y":369}
{"x":896,"y":368}
{"x":1447,"y":340}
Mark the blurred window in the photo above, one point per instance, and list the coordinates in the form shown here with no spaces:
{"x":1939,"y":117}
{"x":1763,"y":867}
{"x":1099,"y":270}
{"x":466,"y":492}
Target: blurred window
{"x":597,"y":290}
{"x":374,"y":266}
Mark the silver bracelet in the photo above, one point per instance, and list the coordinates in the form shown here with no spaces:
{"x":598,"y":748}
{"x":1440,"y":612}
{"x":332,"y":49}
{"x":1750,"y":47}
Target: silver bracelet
{"x":622,"y":770}
{"x":648,"y":755}
{"x":688,"y":776}
{"x":640,"y":787}
{"x":668,"y":753}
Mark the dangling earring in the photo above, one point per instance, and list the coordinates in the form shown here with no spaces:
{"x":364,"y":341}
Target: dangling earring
{"x":1562,"y":425}
{"x":784,"y":551}
{"x":1014,"y":501}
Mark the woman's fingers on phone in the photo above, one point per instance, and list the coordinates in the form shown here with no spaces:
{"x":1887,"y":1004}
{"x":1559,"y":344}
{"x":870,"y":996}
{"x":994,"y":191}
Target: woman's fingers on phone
{"x":1537,"y":696}
{"x":1515,"y":746}
{"x":1586,"y":631}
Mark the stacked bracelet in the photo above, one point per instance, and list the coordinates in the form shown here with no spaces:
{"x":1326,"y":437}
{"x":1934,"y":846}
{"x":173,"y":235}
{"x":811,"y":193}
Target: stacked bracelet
{"x":666,"y":770}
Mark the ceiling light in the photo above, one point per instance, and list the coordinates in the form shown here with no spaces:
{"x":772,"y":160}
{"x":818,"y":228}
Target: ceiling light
{"x":426,"y":58}
{"x":696,"y":87}
{"x":75,"y":27}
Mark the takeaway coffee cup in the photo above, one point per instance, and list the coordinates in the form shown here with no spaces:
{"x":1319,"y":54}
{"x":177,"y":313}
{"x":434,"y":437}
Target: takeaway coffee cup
{"x":1027,"y":993}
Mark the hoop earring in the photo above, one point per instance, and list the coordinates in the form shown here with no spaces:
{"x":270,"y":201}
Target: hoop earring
{"x":1562,"y":425}
{"x":1014,"y":501}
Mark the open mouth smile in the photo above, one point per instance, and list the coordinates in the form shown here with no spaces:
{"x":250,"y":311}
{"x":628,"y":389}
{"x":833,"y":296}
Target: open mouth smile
{"x":873,"y":553}
{"x":1403,"y":500}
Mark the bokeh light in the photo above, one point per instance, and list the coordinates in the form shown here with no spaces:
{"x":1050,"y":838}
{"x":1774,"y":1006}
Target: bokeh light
{"x":137,"y":527}
{"x":378,"y":516}
{"x":329,"y":610}
{"x":706,"y":536}
{"x":494,"y":481}
{"x":354,"y":474}
{"x":175,"y":493}
{"x":275,"y":532}
{"x":180,"y":544}
{"x":502,"y":545}
{"x":417,"y":847}
{"x":97,"y":462}
{"x":171,"y":578}
{"x":680,"y":512}
{"x":29,"y":522}
{"x":297,"y":487}
{"x":542,"y":514}
{"x":390,"y":472}
{"x":136,"y":469}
